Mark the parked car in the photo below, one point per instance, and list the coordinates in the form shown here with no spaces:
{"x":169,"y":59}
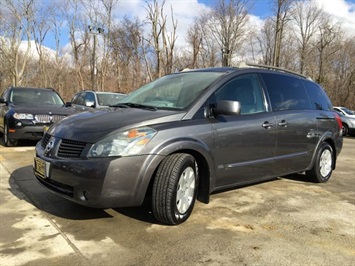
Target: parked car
{"x":189,"y":134}
{"x":348,"y":123}
{"x":344,"y":111}
{"x":87,"y":100}
{"x":25,"y":113}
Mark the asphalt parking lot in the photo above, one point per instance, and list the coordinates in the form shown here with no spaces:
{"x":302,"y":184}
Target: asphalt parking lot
{"x":286,"y":221}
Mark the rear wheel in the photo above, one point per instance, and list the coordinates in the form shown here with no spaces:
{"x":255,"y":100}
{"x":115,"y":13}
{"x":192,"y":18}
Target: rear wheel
{"x":175,"y":189}
{"x":323,"y":166}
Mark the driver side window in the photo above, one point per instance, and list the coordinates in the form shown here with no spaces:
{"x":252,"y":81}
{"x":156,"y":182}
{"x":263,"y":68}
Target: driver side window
{"x":246,"y":90}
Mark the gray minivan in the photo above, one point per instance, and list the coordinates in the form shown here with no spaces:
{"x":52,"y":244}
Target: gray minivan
{"x":188,"y":134}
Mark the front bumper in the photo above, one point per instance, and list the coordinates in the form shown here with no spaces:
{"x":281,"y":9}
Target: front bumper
{"x":100,"y":182}
{"x":27,"y":132}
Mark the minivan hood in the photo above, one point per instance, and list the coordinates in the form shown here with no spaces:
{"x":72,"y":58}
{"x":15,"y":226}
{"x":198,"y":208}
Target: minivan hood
{"x":91,"y":126}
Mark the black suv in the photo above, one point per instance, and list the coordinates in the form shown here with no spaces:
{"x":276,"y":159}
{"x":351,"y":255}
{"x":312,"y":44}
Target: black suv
{"x":189,"y":134}
{"x":25,"y":113}
{"x":87,"y":100}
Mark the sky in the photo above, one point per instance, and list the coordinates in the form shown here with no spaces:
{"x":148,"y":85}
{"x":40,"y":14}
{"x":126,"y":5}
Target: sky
{"x":186,"y":10}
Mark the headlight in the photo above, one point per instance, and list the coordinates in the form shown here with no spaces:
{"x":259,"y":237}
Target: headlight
{"x":130,"y":142}
{"x":23,"y":116}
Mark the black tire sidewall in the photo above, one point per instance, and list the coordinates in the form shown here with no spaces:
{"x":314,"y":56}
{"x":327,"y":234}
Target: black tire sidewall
{"x":7,"y":141}
{"x":188,"y":161}
{"x":165,"y":187}
{"x":345,"y":130}
{"x":6,"y":135}
{"x":320,"y":177}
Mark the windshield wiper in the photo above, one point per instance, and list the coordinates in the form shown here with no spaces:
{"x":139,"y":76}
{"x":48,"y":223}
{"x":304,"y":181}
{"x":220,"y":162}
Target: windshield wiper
{"x":134,"y":105}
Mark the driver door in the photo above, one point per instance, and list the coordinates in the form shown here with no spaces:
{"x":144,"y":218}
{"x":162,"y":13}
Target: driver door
{"x":245,"y":143}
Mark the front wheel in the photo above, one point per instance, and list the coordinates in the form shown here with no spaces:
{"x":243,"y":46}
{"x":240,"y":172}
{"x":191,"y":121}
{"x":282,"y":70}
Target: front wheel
{"x":175,"y":189}
{"x":345,"y":129}
{"x":323,"y":166}
{"x":8,"y":142}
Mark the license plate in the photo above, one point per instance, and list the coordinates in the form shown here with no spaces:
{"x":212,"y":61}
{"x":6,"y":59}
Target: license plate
{"x":41,"y":167}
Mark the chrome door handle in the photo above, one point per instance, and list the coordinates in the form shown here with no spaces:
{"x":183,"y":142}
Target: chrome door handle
{"x":283,"y":123}
{"x":267,"y":125}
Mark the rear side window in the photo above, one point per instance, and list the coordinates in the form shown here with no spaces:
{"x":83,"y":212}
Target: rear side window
{"x":318,"y":97}
{"x":286,"y":92}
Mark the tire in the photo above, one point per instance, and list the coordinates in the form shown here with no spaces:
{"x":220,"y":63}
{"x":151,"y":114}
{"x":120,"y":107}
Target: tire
{"x":345,"y":129}
{"x":175,"y":189}
{"x":8,"y":142}
{"x":323,"y":165}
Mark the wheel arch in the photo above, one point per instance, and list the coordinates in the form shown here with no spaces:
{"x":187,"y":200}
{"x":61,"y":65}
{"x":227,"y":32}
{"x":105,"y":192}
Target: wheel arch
{"x":328,"y":139}
{"x":332,"y":144}
{"x":204,"y":163}
{"x":204,"y":174}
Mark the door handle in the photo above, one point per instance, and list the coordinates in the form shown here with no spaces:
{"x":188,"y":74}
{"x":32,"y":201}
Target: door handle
{"x":283,"y":123}
{"x":267,"y":125}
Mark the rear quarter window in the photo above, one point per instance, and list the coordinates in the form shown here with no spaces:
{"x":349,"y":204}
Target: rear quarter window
{"x":318,"y":97}
{"x":286,"y":92}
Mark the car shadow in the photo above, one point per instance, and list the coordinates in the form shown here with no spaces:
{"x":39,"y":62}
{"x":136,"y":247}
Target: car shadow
{"x":24,"y":186}
{"x":299,"y":177}
{"x":141,"y":213}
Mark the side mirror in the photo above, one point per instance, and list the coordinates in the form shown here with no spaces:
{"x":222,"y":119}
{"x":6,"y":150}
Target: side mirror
{"x":68,"y":104}
{"x":227,"y":108}
{"x":90,"y":104}
{"x":2,"y":101}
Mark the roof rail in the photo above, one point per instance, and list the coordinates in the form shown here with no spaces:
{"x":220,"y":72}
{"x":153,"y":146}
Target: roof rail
{"x":273,"y":67}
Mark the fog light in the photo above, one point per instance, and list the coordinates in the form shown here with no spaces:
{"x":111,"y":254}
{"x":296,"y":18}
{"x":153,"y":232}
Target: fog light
{"x":83,"y":195}
{"x":19,"y":124}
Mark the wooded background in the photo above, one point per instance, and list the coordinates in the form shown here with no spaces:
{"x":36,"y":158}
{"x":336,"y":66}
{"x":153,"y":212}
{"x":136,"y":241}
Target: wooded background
{"x":110,"y":54}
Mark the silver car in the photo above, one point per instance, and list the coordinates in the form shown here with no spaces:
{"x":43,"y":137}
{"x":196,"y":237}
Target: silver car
{"x":348,"y":124}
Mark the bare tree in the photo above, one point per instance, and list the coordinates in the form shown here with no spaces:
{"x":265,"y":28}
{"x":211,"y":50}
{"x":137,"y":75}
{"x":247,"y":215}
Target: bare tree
{"x":162,"y":42}
{"x":194,"y":38}
{"x":227,"y":25}
{"x":41,"y":26}
{"x":17,"y":26}
{"x":306,"y":16}
{"x":58,"y":66}
{"x":342,"y":89}
{"x":79,"y":40}
{"x":106,"y":16}
{"x":127,"y":53}
{"x":266,"y":42}
{"x":328,"y":33}
{"x":281,"y":12}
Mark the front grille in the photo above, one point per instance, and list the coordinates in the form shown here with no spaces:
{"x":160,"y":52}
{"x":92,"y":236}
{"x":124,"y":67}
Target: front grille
{"x":48,"y":118}
{"x":45,"y":140}
{"x":70,"y":148}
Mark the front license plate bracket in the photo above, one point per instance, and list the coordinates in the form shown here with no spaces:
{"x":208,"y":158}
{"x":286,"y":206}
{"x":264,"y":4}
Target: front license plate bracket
{"x":41,"y":167}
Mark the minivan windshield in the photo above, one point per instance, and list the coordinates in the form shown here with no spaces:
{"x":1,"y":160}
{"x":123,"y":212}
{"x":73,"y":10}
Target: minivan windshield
{"x":176,"y":91}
